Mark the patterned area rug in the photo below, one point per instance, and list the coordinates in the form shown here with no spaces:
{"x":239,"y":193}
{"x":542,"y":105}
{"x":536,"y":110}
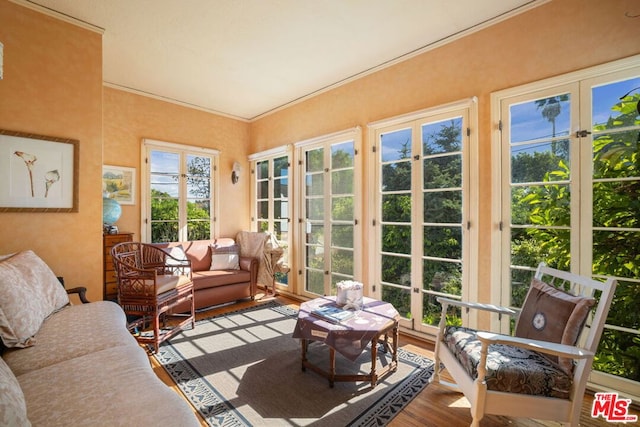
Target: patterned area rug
{"x":243,"y":368}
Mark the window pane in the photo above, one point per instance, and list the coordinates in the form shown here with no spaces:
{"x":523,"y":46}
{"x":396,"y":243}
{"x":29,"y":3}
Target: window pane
{"x":396,"y":269}
{"x":442,"y":137}
{"x":443,"y":206}
{"x":617,"y":155}
{"x":198,"y":166}
{"x":443,"y":242}
{"x":396,"y":145}
{"x":163,"y":162}
{"x":262,"y":169}
{"x":396,"y":238}
{"x":263,"y":209}
{"x":280,"y":209}
{"x":342,"y":155}
{"x":400,"y":298}
{"x":164,"y":208}
{"x":548,"y":161}
{"x":616,"y":204}
{"x":315,"y":234}
{"x":263,"y":190}
{"x":315,"y":184}
{"x":539,"y":119}
{"x":280,"y":188}
{"x":198,"y":230}
{"x":440,"y":276}
{"x":315,"y":282}
{"x":396,"y":176}
{"x":615,"y":253}
{"x":443,"y":172}
{"x":342,"y":236}
{"x":396,"y":208}
{"x":164,"y":231}
{"x":342,"y":182}
{"x":342,"y":261}
{"x":315,"y":209}
{"x":342,"y":208}
{"x":315,"y":160}
{"x":198,"y":187}
{"x":544,"y":205}
{"x":280,"y":167}
{"x":315,"y":257}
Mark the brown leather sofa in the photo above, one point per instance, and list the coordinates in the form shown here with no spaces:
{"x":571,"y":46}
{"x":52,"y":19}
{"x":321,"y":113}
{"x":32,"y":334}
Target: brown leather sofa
{"x":213,"y":287}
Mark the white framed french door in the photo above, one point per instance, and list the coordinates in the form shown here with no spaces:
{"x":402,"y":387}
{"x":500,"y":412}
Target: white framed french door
{"x":330,"y":228}
{"x":422,"y":211}
{"x":570,"y":185}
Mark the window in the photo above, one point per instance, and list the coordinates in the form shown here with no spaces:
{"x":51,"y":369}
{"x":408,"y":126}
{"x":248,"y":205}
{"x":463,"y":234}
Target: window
{"x":422,"y":207}
{"x":330,"y":205}
{"x":570,"y":185}
{"x":271,"y":204}
{"x":178,"y":198}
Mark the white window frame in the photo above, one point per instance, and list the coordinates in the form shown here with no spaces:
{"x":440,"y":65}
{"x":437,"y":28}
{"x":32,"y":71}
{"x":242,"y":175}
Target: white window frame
{"x":598,"y":380}
{"x":354,"y":134}
{"x":145,"y":212}
{"x":270,"y":155}
{"x":470,"y":250}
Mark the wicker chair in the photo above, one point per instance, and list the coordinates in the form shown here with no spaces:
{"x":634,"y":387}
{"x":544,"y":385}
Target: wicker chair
{"x":530,"y":374}
{"x":151,"y":283}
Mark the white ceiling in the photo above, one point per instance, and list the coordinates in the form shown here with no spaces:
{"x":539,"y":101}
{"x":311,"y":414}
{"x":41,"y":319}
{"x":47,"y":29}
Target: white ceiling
{"x":245,"y":58}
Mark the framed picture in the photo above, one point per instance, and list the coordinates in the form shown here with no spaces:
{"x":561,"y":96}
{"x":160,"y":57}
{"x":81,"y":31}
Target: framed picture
{"x":119,"y":183}
{"x":38,"y":173}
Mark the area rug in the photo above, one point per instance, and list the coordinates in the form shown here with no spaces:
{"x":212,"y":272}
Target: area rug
{"x":243,"y":368}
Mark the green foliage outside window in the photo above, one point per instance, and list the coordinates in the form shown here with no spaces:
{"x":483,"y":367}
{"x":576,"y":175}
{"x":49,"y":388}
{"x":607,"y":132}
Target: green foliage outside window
{"x":616,"y":207}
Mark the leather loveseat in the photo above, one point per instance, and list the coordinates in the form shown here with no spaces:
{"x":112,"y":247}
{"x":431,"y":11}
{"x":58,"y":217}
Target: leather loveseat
{"x":218,"y":285}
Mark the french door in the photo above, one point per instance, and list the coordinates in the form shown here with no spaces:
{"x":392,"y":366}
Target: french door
{"x":570,"y":198}
{"x":330,"y":228}
{"x":422,"y":220}
{"x":271,"y":202}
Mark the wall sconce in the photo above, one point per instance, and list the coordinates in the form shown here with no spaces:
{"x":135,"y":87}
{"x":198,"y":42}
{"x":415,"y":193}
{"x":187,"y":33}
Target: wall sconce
{"x":235,"y":172}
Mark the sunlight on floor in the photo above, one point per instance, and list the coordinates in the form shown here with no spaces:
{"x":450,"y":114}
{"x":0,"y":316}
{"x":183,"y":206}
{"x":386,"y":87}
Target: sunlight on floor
{"x":462,"y":402}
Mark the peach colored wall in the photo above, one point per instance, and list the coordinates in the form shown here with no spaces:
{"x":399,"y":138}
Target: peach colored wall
{"x":552,"y":39}
{"x":53,"y":86}
{"x":128,"y":118}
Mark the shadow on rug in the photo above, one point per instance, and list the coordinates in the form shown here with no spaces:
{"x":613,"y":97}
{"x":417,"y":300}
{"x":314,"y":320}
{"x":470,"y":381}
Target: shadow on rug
{"x":243,"y":368}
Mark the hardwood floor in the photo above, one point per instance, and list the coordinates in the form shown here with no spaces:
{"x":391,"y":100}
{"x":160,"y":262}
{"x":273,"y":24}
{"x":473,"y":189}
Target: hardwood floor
{"x":434,"y":406}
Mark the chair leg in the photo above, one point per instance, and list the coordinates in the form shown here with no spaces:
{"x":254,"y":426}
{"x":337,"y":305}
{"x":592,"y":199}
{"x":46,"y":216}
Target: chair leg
{"x":156,"y":332}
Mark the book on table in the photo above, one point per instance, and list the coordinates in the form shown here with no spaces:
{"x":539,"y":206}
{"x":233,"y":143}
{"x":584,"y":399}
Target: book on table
{"x":332,"y":313}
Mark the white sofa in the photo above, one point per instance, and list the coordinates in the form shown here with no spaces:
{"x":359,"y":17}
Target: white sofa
{"x":73,"y":365}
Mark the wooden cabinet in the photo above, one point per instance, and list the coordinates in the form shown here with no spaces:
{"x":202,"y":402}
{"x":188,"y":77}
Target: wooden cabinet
{"x":110,"y":291}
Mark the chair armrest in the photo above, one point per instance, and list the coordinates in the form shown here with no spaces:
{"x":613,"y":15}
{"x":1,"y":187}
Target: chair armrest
{"x":546,"y":347}
{"x":246,"y":263}
{"x":82,"y":293}
{"x":478,"y":306}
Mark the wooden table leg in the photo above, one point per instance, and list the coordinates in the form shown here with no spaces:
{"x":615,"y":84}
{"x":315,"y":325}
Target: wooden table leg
{"x":332,"y":366}
{"x":304,"y":354}
{"x":374,"y":357}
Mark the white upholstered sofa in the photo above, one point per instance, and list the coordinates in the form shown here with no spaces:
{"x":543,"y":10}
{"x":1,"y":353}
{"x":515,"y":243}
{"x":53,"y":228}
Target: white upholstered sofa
{"x":73,"y":365}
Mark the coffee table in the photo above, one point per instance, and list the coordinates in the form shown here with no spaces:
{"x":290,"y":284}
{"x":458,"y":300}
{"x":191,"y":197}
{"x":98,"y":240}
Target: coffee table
{"x":375,"y":324}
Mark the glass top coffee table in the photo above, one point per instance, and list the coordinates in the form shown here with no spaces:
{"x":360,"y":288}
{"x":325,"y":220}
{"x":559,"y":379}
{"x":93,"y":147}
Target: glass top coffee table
{"x":376,"y":324}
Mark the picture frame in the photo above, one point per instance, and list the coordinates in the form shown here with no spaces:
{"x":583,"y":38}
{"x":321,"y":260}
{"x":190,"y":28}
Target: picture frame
{"x":38,"y":173}
{"x":119,"y":183}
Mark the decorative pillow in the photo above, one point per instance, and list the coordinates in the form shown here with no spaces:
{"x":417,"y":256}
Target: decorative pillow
{"x":550,"y":314}
{"x":225,"y":257}
{"x":29,"y":292}
{"x":13,"y":409}
{"x":176,"y":257}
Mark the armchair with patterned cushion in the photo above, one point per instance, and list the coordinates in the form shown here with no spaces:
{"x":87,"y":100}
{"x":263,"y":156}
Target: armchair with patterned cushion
{"x":151,"y":285}
{"x":541,"y":372}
